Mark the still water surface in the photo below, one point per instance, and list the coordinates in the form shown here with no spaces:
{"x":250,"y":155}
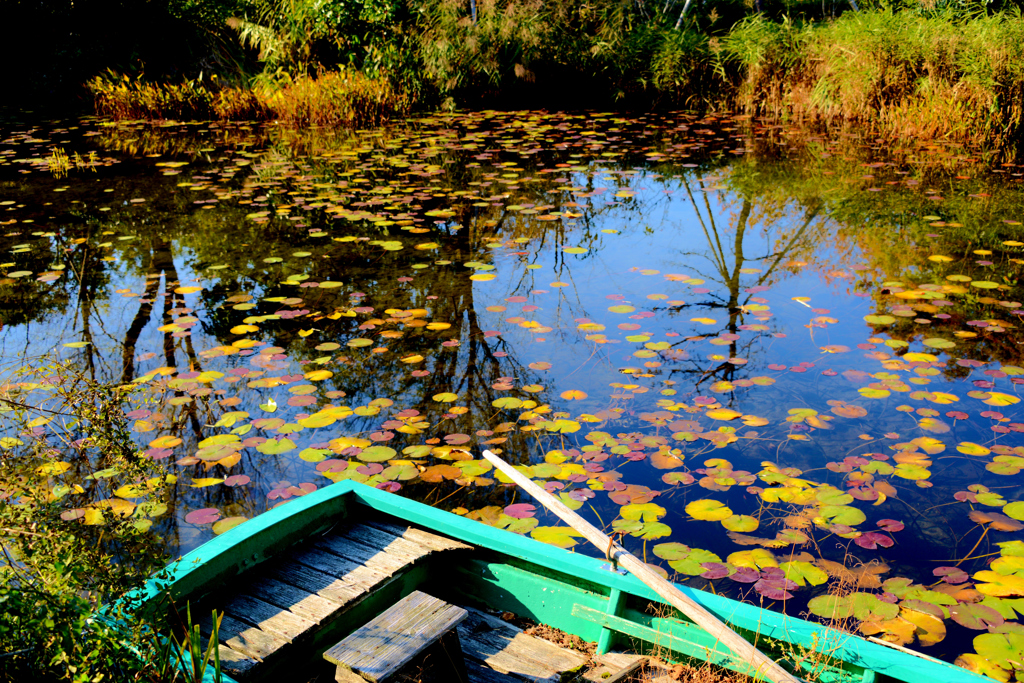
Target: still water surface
{"x":778,"y":363}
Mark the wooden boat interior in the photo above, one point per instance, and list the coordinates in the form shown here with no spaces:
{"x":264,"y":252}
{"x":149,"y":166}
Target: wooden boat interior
{"x":297,"y":579}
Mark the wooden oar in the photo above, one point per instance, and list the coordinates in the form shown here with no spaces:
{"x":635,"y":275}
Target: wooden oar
{"x":763,"y":664}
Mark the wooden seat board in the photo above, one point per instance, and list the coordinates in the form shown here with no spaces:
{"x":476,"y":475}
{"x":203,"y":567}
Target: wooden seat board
{"x":268,"y":617}
{"x":392,"y":654}
{"x":388,"y":642}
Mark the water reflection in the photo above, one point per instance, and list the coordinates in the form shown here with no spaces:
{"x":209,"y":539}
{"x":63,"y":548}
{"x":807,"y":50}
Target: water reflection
{"x":645,"y":311}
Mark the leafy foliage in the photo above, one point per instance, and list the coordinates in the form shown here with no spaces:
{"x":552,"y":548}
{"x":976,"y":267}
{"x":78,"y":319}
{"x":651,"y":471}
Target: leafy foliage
{"x":60,"y":568}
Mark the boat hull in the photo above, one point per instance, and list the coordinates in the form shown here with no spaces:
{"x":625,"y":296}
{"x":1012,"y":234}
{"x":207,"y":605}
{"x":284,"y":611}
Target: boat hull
{"x":549,"y":585}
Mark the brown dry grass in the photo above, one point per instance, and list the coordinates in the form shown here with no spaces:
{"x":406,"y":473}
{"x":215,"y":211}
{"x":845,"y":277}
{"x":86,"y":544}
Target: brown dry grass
{"x":343,"y":97}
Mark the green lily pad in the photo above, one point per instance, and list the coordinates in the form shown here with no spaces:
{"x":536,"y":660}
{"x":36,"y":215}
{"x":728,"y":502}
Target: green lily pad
{"x":561,"y":536}
{"x":708,"y":510}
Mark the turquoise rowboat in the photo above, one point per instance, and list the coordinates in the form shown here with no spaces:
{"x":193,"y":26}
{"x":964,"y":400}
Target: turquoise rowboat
{"x":295,"y":580}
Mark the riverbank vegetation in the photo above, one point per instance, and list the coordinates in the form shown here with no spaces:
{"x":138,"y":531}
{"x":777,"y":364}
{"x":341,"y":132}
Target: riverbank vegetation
{"x":938,"y":70}
{"x":64,"y":570}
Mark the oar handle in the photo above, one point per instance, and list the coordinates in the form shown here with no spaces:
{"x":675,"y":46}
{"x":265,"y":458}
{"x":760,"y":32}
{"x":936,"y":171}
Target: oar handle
{"x":739,"y":646}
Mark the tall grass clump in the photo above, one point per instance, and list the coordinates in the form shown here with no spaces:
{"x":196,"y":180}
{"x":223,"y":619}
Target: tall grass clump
{"x":344,"y":97}
{"x":763,"y":65}
{"x":945,"y":73}
{"x":122,"y":97}
{"x":939,"y":75}
{"x":681,"y":66}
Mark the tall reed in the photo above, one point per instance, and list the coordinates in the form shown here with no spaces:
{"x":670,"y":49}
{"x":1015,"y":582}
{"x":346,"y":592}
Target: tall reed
{"x":343,"y":97}
{"x":910,"y":74}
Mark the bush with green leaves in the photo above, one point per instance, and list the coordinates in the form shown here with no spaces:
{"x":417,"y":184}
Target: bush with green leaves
{"x":68,"y":548}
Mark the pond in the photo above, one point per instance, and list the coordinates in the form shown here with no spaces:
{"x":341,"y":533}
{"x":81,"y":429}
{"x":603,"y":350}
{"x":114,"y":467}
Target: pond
{"x":782,"y":364}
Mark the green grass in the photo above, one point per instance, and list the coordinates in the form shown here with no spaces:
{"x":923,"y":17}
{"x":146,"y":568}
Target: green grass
{"x":907,"y":74}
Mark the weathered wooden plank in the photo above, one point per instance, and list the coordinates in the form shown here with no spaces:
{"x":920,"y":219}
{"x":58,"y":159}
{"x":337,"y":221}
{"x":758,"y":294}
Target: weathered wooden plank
{"x":325,"y":585}
{"x":350,"y":572}
{"x":432,"y":541}
{"x":373,"y":548}
{"x":268,"y":617}
{"x":502,"y":657}
{"x":508,"y":650}
{"x":358,"y":644}
{"x":478,"y":672}
{"x":234,"y":663}
{"x":245,"y":638}
{"x":611,"y":664}
{"x":372,"y":558}
{"x":395,"y":637}
{"x":386,"y":541}
{"x":305,"y":603}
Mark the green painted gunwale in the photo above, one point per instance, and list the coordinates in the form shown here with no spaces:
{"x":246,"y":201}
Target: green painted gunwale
{"x":261,"y":538}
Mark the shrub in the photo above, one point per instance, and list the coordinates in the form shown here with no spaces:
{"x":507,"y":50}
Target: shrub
{"x":343,"y":97}
{"x":59,"y":564}
{"x":938,"y":74}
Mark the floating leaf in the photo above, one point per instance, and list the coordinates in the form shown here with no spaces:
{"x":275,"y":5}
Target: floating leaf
{"x":969,"y":448}
{"x":51,"y":469}
{"x":684,"y":559}
{"x":1015,"y":510}
{"x":563,"y":537}
{"x":708,"y":510}
{"x":203,"y":516}
{"x":804,"y":573}
{"x":937,"y":343}
{"x":377,"y":454}
{"x":757,"y":559}
{"x":977,"y":617}
{"x":997,"y":521}
{"x":740,"y":523}
{"x":999,"y":585}
{"x":1002,"y":650}
{"x":647,"y":512}
{"x":276,"y":446}
{"x":507,"y":403}
{"x":227,"y":524}
{"x":520,"y":510}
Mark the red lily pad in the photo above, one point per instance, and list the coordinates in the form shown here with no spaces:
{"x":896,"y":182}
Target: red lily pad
{"x":520,"y":510}
{"x":203,"y":516}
